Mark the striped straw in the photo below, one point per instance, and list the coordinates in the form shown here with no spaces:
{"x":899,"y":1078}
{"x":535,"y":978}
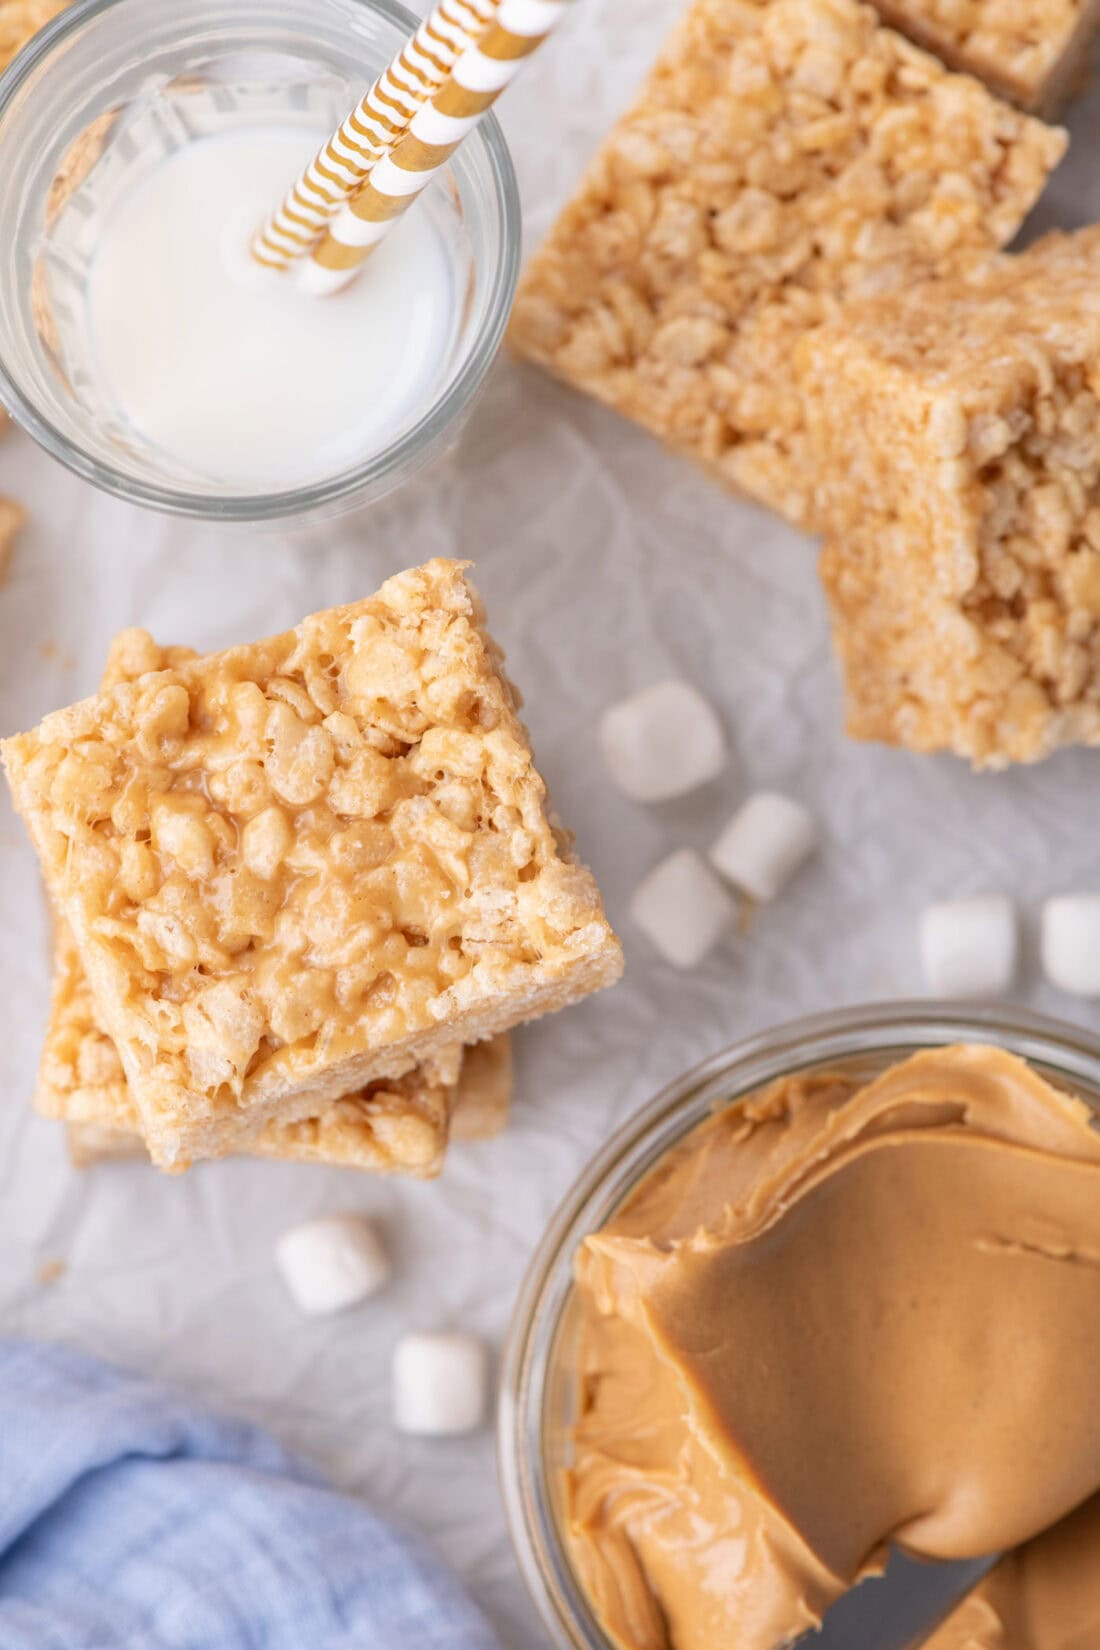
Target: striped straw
{"x":370,"y":131}
{"x":489,"y":64}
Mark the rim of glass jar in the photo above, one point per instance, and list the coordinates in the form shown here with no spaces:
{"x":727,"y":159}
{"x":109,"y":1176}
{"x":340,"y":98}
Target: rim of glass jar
{"x":1055,"y":1046}
{"x":418,"y":443}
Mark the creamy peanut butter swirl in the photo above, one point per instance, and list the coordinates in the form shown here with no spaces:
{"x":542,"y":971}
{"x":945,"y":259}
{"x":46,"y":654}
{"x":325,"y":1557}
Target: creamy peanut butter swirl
{"x":1046,"y":1596}
{"x":836,"y":1316}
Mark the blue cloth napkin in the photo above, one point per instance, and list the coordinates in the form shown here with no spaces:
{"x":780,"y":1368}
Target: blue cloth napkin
{"x":131,"y":1519}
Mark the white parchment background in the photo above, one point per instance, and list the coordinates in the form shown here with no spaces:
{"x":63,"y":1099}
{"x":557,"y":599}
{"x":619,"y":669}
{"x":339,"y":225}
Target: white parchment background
{"x":605,"y":564}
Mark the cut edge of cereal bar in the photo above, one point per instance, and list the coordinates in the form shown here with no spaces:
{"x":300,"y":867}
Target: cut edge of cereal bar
{"x":783,"y":156}
{"x":479,"y":1111}
{"x":402,"y":830}
{"x":957,"y":429}
{"x":399,"y":1127}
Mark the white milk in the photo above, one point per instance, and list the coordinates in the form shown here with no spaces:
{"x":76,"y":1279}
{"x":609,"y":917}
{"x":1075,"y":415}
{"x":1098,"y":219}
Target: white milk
{"x":233,"y":372}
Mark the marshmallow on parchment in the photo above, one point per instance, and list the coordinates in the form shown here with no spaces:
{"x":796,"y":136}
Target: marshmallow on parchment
{"x":764,"y":844}
{"x":1070,"y":943}
{"x":683,"y":908}
{"x":969,"y":946}
{"x":440,"y":1384}
{"x":331,"y":1263}
{"x":662,"y":742}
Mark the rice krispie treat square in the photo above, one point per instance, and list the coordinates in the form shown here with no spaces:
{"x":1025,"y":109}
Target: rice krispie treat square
{"x":384,"y":1129}
{"x":300,"y":866}
{"x":783,"y":156}
{"x":381,"y":1117}
{"x":400,"y":1126}
{"x":958,"y":427}
{"x":1032,"y":51}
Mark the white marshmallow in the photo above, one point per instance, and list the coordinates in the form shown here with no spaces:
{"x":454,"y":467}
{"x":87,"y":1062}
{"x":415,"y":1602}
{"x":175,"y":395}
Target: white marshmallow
{"x":1070,"y":943}
{"x":968,"y":946}
{"x":683,"y":908}
{"x":764,"y":844}
{"x":663,"y":742}
{"x":440,"y":1384}
{"x":332,"y":1263}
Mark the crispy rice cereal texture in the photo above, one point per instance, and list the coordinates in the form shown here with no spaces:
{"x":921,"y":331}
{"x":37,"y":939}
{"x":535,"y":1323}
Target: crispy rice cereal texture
{"x":19,"y":19}
{"x":303,"y":865}
{"x":1032,"y":51}
{"x":960,"y":425}
{"x":398,"y":1127}
{"x":383,"y":1118}
{"x":784,"y":155}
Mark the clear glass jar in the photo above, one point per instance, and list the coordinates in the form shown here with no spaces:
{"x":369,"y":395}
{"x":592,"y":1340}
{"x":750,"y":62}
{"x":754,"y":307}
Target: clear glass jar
{"x":131,"y":79}
{"x":537,"y":1400}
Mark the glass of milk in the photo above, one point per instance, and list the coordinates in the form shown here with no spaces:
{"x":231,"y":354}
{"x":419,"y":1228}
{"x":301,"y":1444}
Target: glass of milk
{"x":141,"y":142}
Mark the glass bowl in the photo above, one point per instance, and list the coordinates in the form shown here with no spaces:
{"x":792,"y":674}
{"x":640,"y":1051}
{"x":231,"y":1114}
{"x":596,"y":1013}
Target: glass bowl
{"x":537,"y":1399}
{"x":120,"y":84}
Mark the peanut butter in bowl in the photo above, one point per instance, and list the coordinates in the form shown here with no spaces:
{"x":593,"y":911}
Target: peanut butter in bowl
{"x":841,"y":1313}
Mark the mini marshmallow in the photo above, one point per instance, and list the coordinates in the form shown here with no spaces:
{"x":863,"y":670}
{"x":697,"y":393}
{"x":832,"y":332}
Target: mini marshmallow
{"x":1070,"y":943}
{"x":332,"y":1263}
{"x":440,"y":1384}
{"x":968,"y":946}
{"x":764,"y":844}
{"x":663,"y":742}
{"x":683,"y":908}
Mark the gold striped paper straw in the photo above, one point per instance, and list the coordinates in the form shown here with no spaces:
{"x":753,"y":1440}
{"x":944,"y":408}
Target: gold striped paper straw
{"x":370,"y":131}
{"x":485,"y":68}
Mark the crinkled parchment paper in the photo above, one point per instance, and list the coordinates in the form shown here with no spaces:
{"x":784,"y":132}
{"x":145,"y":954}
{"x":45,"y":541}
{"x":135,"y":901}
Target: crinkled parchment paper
{"x":605,"y":564}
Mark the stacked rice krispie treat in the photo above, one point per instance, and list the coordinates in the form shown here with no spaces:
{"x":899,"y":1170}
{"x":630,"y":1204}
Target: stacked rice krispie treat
{"x":784,"y":157}
{"x":957,"y":425}
{"x":1032,"y":51}
{"x":293,"y":879}
{"x":401,"y":1126}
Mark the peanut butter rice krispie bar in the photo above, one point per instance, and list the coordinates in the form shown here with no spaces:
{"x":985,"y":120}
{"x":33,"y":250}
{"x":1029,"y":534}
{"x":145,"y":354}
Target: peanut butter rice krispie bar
{"x":479,"y":1111}
{"x":301,"y":866}
{"x":19,"y":20}
{"x":958,"y":425}
{"x":382,"y":1129}
{"x":783,"y":156}
{"x":397,"y":1127}
{"x":1032,"y":51}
